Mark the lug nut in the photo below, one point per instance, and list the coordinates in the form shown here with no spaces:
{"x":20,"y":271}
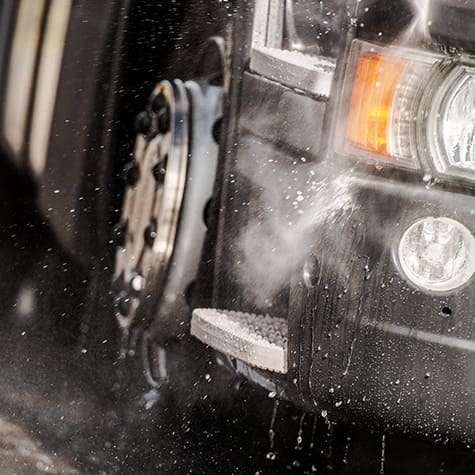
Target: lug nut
{"x":159,"y":170}
{"x":137,"y":283}
{"x":143,"y":123}
{"x":159,"y":102}
{"x":131,"y":173}
{"x":124,"y":303}
{"x":150,"y":233}
{"x":163,"y":120}
{"x":217,"y":127}
{"x":118,"y":233}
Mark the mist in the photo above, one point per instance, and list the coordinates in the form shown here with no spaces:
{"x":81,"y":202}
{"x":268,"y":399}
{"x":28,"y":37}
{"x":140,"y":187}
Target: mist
{"x":296,"y":197}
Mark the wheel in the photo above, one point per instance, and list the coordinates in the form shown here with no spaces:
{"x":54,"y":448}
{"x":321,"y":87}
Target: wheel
{"x":161,"y":231}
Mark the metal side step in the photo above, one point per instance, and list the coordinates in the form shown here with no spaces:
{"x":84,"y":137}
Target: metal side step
{"x":258,"y":340}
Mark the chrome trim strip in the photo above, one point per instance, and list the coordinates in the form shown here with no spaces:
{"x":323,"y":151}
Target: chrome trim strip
{"x":48,"y":79}
{"x":421,"y":335}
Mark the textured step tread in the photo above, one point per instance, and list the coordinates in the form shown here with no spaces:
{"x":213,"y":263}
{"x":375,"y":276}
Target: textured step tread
{"x":258,"y":340}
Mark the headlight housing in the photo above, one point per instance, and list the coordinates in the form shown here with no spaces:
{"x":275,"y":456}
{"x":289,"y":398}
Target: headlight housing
{"x":410,"y":109}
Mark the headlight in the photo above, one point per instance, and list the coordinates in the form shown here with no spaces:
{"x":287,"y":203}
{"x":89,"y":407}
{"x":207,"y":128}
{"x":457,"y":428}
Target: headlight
{"x":437,"y":254}
{"x":451,"y":124}
{"x":411,"y":109}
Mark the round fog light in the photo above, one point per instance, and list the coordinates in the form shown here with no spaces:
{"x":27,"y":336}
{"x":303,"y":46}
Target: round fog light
{"x":437,"y":254}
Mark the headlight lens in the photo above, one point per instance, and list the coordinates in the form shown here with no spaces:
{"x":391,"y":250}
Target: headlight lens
{"x":437,"y":254}
{"x":451,"y":124}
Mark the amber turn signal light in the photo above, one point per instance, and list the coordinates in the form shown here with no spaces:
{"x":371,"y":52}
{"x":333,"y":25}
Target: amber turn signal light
{"x":376,"y":82}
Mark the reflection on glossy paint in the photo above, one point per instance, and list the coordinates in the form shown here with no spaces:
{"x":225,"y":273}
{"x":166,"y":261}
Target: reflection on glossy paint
{"x":21,"y":71}
{"x":48,"y":79}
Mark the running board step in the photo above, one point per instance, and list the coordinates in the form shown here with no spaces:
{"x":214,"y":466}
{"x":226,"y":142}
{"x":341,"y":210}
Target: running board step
{"x":258,"y":340}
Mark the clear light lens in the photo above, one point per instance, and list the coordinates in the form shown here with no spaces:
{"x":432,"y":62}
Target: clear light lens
{"x":403,"y":112}
{"x":437,"y":254}
{"x":456,"y":117}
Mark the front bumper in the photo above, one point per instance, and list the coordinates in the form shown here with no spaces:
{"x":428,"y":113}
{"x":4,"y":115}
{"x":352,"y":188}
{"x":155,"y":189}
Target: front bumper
{"x":363,"y":342}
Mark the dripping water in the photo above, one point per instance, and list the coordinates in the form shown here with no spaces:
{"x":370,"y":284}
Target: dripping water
{"x":383,"y":454}
{"x":299,"y":443}
{"x":328,"y":440}
{"x":347,"y":450}
{"x":314,"y":430}
{"x":350,"y":354}
{"x":271,"y":455}
{"x":313,"y":468}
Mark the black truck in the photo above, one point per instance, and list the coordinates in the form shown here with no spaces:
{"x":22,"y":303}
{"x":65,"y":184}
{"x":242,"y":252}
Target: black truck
{"x":289,"y":182}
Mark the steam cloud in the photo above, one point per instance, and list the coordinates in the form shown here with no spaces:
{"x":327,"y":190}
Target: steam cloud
{"x":296,"y":198}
